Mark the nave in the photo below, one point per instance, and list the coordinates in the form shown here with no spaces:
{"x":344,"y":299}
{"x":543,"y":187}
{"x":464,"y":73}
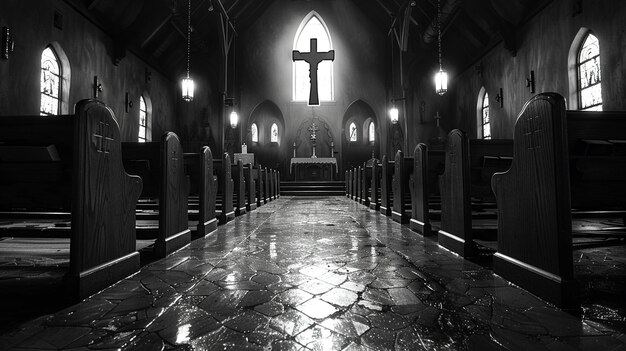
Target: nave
{"x":318,"y":273}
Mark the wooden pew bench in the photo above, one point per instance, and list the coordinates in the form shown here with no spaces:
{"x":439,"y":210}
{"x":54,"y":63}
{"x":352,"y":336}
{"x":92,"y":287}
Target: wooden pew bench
{"x":386,"y":193}
{"x":239,"y":193}
{"x":366,"y":181}
{"x":467,"y":206}
{"x":202,"y":192}
{"x":565,"y":164}
{"x":224,"y":207}
{"x":426,"y":198}
{"x":375,"y":185}
{"x":403,"y":170}
{"x":251,"y":198}
{"x":162,"y":212}
{"x":66,"y":171}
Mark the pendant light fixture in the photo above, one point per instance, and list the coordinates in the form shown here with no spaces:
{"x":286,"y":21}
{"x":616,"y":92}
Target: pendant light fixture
{"x":187,"y":83}
{"x":393,"y":113}
{"x":441,"y":77}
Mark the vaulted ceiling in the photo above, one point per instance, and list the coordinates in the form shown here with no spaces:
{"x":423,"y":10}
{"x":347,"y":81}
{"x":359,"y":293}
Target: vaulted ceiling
{"x":156,"y":29}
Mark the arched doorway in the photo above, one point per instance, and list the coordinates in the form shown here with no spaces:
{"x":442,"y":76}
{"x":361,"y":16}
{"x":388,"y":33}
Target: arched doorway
{"x":357,"y":145}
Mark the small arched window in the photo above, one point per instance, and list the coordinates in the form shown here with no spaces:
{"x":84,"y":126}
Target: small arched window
{"x":372,"y":132}
{"x":312,"y":27}
{"x":50,"y":83}
{"x":589,"y":78}
{"x":486,"y":125}
{"x":274,"y":133}
{"x":353,"y":132}
{"x":143,"y":121}
{"x":254,"y":133}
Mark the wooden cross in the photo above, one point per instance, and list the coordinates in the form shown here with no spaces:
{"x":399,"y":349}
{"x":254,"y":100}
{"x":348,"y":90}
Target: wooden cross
{"x":313,"y":58}
{"x":102,"y":138}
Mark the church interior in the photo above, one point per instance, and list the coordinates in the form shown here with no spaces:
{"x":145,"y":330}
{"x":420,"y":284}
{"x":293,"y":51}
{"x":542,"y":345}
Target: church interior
{"x":312,"y":175}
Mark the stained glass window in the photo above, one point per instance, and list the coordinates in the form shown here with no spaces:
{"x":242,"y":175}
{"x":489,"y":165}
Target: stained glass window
{"x":254,"y":133}
{"x":274,"y":133}
{"x":372,"y":132}
{"x":50,"y":83}
{"x":353,"y":132}
{"x":143,"y":120}
{"x":314,"y":28}
{"x":485,"y":113}
{"x":589,"y":78}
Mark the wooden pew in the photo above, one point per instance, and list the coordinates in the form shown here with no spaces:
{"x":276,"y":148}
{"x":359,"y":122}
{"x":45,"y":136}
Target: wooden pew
{"x":277,"y":183}
{"x":251,"y":199}
{"x":375,"y":186}
{"x":259,"y":185}
{"x":366,"y":181}
{"x":347,"y":183}
{"x":203,"y":187}
{"x":424,"y":188}
{"x":386,"y":195}
{"x":225,"y":210}
{"x":403,"y":168}
{"x":161,"y":166}
{"x":266,"y":195}
{"x":239,"y":193}
{"x":535,"y":196}
{"x":72,"y":163}
{"x":456,"y":186}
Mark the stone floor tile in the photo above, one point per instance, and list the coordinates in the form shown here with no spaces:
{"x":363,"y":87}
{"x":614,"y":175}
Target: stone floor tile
{"x":320,"y":338}
{"x":315,"y":287}
{"x":270,"y":309}
{"x":293,"y":297}
{"x":340,"y":297}
{"x":316,"y":308}
{"x":291,"y":322}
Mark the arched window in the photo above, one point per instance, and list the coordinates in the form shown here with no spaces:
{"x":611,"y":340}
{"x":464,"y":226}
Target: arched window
{"x":353,"y":132}
{"x":589,"y":78}
{"x":274,"y":133}
{"x":372,"y":132}
{"x":312,"y":26}
{"x":254,"y":133}
{"x":50,"y":83}
{"x":143,"y":120}
{"x":486,"y":126}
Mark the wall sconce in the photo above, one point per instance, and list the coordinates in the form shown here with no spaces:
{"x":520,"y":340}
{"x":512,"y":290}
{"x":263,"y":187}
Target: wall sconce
{"x":97,"y":87}
{"x":393,"y":114}
{"x":129,"y":103}
{"x":234,"y":119}
{"x":500,"y":98}
{"x":530,"y":82}
{"x":8,"y":44}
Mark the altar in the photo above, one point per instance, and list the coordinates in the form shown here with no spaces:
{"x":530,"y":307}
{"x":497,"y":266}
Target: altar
{"x":309,"y":168}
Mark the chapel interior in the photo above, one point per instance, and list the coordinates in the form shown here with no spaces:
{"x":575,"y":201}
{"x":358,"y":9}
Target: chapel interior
{"x":312,"y":174}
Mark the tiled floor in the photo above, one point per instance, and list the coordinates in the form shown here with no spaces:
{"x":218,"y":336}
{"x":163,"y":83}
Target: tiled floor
{"x":318,"y":274}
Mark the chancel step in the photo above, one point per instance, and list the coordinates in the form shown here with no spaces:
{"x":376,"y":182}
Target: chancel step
{"x":312,"y":188}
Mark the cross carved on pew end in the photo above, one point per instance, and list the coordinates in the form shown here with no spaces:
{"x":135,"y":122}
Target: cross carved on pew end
{"x":102,"y":137}
{"x":532,"y":130}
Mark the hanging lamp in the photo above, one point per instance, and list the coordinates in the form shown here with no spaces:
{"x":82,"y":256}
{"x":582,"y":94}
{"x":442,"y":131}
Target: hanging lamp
{"x":187,"y":83}
{"x":441,"y":77}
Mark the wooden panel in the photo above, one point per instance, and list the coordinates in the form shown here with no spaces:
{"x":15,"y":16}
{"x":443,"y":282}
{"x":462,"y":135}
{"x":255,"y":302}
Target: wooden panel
{"x":456,"y":221}
{"x":403,"y":168}
{"x":386,"y":175}
{"x":420,"y":219}
{"x":259,"y":185}
{"x":239,"y":194}
{"x":534,"y":221}
{"x":366,"y":183}
{"x":174,"y":230}
{"x":250,"y":187}
{"x":225,"y":187}
{"x":375,"y":186}
{"x":102,"y":247}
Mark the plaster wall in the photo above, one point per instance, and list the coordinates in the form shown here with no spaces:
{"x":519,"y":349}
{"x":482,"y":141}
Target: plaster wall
{"x":543,"y":46}
{"x":264,"y":70}
{"x":89,"y":52}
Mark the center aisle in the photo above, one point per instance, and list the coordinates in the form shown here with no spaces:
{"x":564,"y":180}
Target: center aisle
{"x":320,"y":273}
